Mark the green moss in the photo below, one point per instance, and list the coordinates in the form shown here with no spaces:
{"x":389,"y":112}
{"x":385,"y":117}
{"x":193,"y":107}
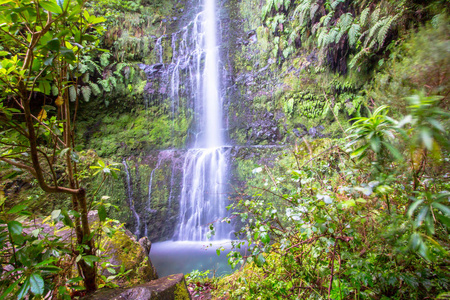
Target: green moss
{"x":181,"y":292}
{"x":128,"y":252}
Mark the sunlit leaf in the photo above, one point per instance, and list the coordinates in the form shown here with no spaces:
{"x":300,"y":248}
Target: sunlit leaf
{"x":51,"y":6}
{"x":37,"y":284}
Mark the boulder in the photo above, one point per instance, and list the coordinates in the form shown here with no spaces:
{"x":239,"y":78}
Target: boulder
{"x":172,"y":287}
{"x":123,"y":249}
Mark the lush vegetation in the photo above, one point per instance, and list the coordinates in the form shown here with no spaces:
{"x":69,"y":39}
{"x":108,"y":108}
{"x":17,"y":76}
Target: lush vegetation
{"x":42,"y":45}
{"x":361,"y":217}
{"x":361,"y":214}
{"x":364,"y":216}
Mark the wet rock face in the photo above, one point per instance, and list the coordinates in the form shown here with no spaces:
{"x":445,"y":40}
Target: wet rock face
{"x":263,"y":128}
{"x":313,"y":132}
{"x":172,"y":287}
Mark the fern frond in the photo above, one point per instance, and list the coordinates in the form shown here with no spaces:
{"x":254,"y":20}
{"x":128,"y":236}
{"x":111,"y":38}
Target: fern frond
{"x":327,"y":18}
{"x":345,"y":21}
{"x":331,"y":38}
{"x":336,"y":3}
{"x":132,"y":72}
{"x":278,"y":4}
{"x":72,"y":93}
{"x":86,"y":92}
{"x":315,"y":27}
{"x":267,"y":8}
{"x":82,"y":68}
{"x":382,"y":33}
{"x":353,"y":34}
{"x":313,"y":10}
{"x":356,"y":59}
{"x":339,"y":36}
{"x":113,"y":81}
{"x":105,"y":85}
{"x":95,"y":89}
{"x":374,"y":17}
{"x":286,"y":4}
{"x":86,"y":77}
{"x":374,"y":29}
{"x":321,"y":38}
{"x":55,"y":91}
{"x":363,"y":18}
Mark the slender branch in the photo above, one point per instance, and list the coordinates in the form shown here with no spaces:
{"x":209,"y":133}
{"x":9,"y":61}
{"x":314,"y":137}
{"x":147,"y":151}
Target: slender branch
{"x":19,"y":165}
{"x":330,"y":285}
{"x":13,"y":37}
{"x":50,"y":165}
{"x":48,"y":128}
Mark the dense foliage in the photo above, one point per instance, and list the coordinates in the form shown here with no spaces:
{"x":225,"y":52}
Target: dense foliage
{"x":372,"y":222}
{"x":367,"y":215}
{"x":42,"y":45}
{"x":363,"y":214}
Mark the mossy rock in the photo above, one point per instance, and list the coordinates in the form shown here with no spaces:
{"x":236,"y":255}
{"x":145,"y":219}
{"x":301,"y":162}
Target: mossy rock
{"x":123,"y":250}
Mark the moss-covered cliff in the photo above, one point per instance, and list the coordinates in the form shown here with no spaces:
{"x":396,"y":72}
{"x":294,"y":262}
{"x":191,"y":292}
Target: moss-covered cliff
{"x":281,"y":82}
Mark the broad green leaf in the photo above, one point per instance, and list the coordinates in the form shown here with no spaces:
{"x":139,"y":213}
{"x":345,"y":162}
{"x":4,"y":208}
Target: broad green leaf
{"x":51,"y":6}
{"x":260,"y":260}
{"x":67,"y":220}
{"x":422,"y":214}
{"x":443,"y":208}
{"x":413,"y":207}
{"x":9,"y":290}
{"x":63,"y":152}
{"x":36,"y":66}
{"x":56,"y":213}
{"x":54,"y":45}
{"x":68,"y":54}
{"x":359,"y":151}
{"x":436,"y":124}
{"x":49,"y":61}
{"x":90,"y":259}
{"x":444,"y":220}
{"x":45,"y":87}
{"x":102,"y":213}
{"x":37,"y":284}
{"x":393,"y":151}
{"x":265,"y":238}
{"x":95,"y":20}
{"x":17,"y":209}
{"x":75,"y":280}
{"x":15,"y":227}
{"x":427,"y":137}
{"x":415,"y":240}
{"x":375,"y":144}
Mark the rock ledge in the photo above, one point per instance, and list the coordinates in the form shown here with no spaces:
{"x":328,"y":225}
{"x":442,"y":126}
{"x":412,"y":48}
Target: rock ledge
{"x":172,"y":287}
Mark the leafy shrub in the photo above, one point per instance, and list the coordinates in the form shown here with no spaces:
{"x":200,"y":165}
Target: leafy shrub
{"x":342,"y":229}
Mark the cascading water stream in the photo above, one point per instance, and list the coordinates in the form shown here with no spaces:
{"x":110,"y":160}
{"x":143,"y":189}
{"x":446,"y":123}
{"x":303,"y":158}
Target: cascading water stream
{"x":192,"y":78}
{"x":203,"y":198}
{"x":159,"y":48}
{"x":130,"y":198}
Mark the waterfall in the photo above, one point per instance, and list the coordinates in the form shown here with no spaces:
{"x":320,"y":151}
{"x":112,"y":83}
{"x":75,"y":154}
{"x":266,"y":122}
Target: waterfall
{"x":191,"y":82}
{"x":159,"y":48}
{"x":130,"y":199}
{"x":203,"y":196}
